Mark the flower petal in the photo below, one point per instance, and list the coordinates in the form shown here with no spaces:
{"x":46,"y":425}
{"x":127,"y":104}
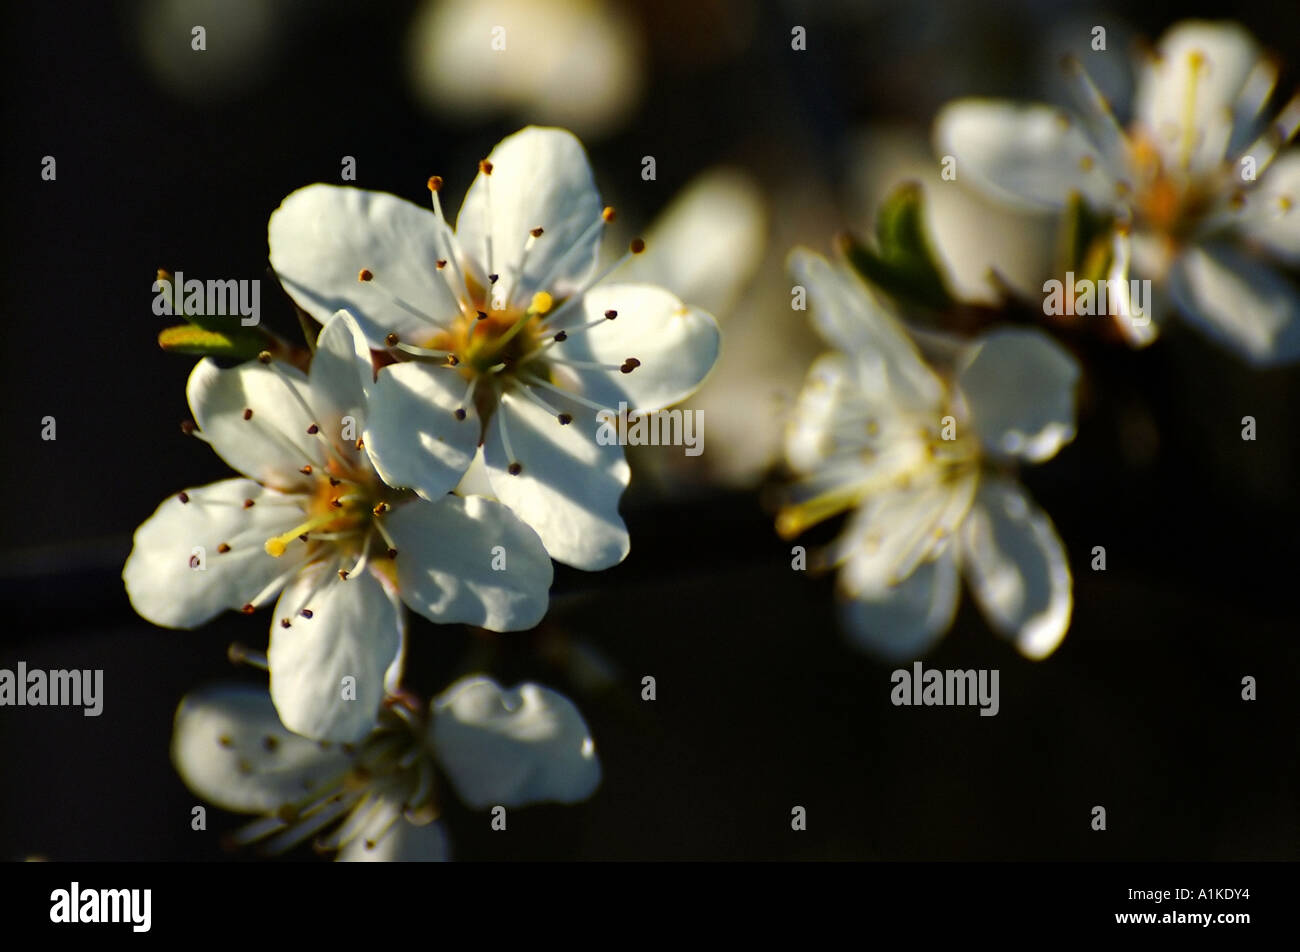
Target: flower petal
{"x":171,"y":585}
{"x":1019,"y":387}
{"x":540,"y":179}
{"x":513,"y":748}
{"x":230,"y":748}
{"x":470,"y":561}
{"x":1191,"y":86}
{"x":1025,"y":155}
{"x":256,"y":419}
{"x":569,"y":487}
{"x":322,"y":236}
{"x":340,"y":373}
{"x":676,"y":347}
{"x":904,"y":622}
{"x":852,"y":319}
{"x":1277,"y":196}
{"x":1017,"y":567}
{"x":1239,"y":302}
{"x":355,"y":631}
{"x":404,"y":843}
{"x":412,"y":435}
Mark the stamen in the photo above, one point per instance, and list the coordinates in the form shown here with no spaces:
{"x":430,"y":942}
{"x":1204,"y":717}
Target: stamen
{"x":367,"y":276}
{"x":445,"y":242}
{"x":576,"y":397}
{"x":275,"y":546}
{"x":1097,"y":107}
{"x":564,"y":418}
{"x":461,"y":411}
{"x":485,"y":168}
{"x":242,"y":654}
{"x":515,"y":467}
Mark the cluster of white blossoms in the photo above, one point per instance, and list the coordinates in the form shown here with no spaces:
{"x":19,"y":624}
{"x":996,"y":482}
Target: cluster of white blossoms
{"x":490,"y":347}
{"x":923,"y":461}
{"x":1199,"y":190}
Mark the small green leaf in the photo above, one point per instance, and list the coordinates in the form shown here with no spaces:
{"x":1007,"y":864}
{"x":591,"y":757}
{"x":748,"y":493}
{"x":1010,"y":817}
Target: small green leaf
{"x":903,"y":262}
{"x":239,"y":343}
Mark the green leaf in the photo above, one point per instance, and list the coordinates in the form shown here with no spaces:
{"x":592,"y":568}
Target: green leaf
{"x":239,"y":343}
{"x":903,"y":261}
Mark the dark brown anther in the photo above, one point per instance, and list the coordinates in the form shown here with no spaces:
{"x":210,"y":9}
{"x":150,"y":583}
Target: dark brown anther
{"x":264,"y":357}
{"x":336,"y":503}
{"x":188,"y":427}
{"x":637,"y":246}
{"x":536,"y":232}
{"x":343,"y":575}
{"x":391,"y":553}
{"x":435,"y":183}
{"x":248,"y":608}
{"x":334,"y":481}
{"x":365,"y":274}
{"x":306,"y":613}
{"x":611,"y":314}
{"x":183,"y":497}
{"x":561,"y":337}
{"x":303,"y":537}
{"x":361,"y":444}
{"x":565,"y":419}
{"x":460,"y":413}
{"x":270,"y":743}
{"x":630,"y":365}
{"x":248,"y":504}
{"x":391,"y":340}
{"x":515,"y":468}
{"x":306,"y":470}
{"x":223,"y":548}
{"x":284,"y":623}
{"x":482,"y":315}
{"x":441,"y":263}
{"x":248,"y":414}
{"x":493,"y":278}
{"x":453,"y":360}
{"x":380,"y":508}
{"x":485,"y":167}
{"x":313,"y":430}
{"x":225,"y":741}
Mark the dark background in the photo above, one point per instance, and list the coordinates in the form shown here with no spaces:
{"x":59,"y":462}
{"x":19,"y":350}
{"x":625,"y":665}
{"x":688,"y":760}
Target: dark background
{"x":762,"y":705}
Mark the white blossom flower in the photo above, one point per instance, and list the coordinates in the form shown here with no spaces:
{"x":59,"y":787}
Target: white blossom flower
{"x":1199,"y":188}
{"x":921,"y":462}
{"x":379,"y":799}
{"x":312,"y":520}
{"x":500,"y":334}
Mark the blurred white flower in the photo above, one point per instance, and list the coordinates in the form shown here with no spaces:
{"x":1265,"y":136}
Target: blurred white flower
{"x":313,"y":521}
{"x":502,"y":334}
{"x":920,"y":461}
{"x":1196,"y":186}
{"x":379,"y":799}
{"x":574,"y":63}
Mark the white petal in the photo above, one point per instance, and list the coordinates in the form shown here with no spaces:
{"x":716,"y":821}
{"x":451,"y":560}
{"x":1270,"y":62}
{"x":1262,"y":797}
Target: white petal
{"x":513,"y":748}
{"x":404,"y":843}
{"x":570,"y":484}
{"x":322,"y":236}
{"x":1026,"y":155}
{"x":905,"y":621}
{"x":676,"y":345}
{"x":272,"y":444}
{"x":470,"y":561}
{"x":340,"y":372}
{"x":540,"y":179}
{"x":355,"y":631}
{"x":1017,"y":567}
{"x":1240,"y":302}
{"x":171,"y":585}
{"x":412,"y":435}
{"x":230,"y":749}
{"x":898,"y":530}
{"x":1019,"y":386}
{"x":707,"y":243}
{"x":851,"y":318}
{"x":1171,"y":91}
{"x":1277,"y":198}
